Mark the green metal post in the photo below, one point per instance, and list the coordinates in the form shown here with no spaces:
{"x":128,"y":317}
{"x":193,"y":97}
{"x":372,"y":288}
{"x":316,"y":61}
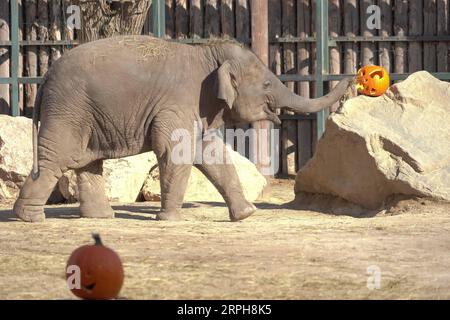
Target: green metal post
{"x":14,"y":58}
{"x":159,"y":18}
{"x":322,"y":59}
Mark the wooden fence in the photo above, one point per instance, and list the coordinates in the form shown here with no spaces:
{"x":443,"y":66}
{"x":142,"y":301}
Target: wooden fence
{"x":417,"y":30}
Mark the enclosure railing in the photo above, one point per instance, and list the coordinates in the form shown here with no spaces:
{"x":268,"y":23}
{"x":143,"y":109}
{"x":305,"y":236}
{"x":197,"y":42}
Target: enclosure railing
{"x":322,"y":40}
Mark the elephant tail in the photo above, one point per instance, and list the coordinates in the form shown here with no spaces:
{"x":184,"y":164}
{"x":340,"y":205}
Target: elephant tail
{"x":36,"y":118}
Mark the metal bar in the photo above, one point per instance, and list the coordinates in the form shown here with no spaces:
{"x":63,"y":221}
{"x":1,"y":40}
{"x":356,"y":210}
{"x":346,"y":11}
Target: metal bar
{"x":308,"y":116}
{"x":437,"y":38}
{"x":191,"y":40}
{"x":159,"y":18}
{"x":41,"y":43}
{"x":296,"y":77}
{"x":322,"y":59}
{"x":280,"y":40}
{"x":31,"y":80}
{"x":14,"y":58}
{"x":204,"y":40}
{"x":282,"y":77}
{"x":291,"y":40}
{"x":337,"y":77}
{"x":5,"y":80}
{"x":332,"y":40}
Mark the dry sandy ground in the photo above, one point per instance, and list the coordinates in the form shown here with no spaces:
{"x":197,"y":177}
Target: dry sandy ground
{"x":279,"y":253}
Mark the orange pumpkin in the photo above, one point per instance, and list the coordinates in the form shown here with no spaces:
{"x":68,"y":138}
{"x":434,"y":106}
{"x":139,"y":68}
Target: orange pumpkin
{"x":372,"y":81}
{"x":101,"y":271}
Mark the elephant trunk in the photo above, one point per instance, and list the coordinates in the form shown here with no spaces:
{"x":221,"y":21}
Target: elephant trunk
{"x":291,"y":101}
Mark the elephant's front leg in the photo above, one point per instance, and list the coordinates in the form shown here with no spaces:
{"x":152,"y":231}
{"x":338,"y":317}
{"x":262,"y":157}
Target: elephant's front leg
{"x":173,"y":179}
{"x":222,"y":174}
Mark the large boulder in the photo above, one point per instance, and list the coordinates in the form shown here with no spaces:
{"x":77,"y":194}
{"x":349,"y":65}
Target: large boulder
{"x":376,"y":148}
{"x":124,"y":178}
{"x":16,"y":154}
{"x":200,"y":189}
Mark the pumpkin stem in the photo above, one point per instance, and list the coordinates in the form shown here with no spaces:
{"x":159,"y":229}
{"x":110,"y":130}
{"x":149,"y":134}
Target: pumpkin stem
{"x":98,"y":240}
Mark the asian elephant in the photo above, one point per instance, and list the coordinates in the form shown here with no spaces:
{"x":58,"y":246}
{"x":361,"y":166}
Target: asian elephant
{"x":125,"y":95}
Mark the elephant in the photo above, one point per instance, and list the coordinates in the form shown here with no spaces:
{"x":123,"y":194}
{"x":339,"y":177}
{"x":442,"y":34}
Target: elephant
{"x":125,"y":95}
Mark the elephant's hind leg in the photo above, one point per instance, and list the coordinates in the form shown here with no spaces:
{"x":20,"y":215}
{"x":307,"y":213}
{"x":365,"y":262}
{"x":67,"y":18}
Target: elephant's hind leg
{"x":91,"y":188}
{"x":35,"y":193}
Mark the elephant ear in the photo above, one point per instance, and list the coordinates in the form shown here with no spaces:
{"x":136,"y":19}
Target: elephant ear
{"x":226,"y":83}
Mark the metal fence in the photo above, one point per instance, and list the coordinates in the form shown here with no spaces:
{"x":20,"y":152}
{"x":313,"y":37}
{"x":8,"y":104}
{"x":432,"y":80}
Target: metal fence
{"x":320,"y":39}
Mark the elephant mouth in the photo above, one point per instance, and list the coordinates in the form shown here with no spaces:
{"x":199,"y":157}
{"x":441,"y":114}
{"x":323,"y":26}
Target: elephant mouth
{"x":271,"y":112}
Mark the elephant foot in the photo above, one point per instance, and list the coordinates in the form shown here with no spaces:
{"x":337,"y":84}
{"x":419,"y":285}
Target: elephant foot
{"x":97,"y":212}
{"x":241,"y":212}
{"x":171,"y":215}
{"x":28,"y":212}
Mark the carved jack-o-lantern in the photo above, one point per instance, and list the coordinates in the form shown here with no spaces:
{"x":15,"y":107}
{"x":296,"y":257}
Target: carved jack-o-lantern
{"x":101,"y":272}
{"x":372,"y":81}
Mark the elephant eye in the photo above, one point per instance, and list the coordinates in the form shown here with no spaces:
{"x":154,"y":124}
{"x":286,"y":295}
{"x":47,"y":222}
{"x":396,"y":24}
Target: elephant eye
{"x":267,"y":84}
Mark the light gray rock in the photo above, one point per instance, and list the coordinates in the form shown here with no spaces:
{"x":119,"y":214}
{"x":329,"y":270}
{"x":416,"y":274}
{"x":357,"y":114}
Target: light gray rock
{"x":123,"y":178}
{"x":396,"y":144}
{"x":16,"y":156}
{"x":200,"y":189}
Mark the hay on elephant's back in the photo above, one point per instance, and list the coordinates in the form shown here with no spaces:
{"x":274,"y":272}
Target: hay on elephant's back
{"x":147,"y":48}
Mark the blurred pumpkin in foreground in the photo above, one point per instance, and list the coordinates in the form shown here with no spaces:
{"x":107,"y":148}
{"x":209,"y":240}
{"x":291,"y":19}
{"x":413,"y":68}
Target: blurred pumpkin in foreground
{"x":100,"y":271}
{"x":372,"y":81}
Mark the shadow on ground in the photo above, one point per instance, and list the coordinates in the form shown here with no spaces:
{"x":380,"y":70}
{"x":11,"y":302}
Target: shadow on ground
{"x":72,"y":212}
{"x":148,"y":211}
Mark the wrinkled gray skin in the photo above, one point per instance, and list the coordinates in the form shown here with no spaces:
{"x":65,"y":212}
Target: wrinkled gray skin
{"x":123,"y":96}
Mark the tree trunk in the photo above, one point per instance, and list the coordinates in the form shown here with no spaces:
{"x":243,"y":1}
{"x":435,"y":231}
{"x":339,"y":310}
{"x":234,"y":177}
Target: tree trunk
{"x":442,"y":29}
{"x":170,"y":19}
{"x":351,"y":26}
{"x":335,"y":54}
{"x":31,"y":55}
{"x":243,"y":20}
{"x":212,"y":18}
{"x":386,"y":30}
{"x":196,"y":21}
{"x":181,"y":19}
{"x":429,"y":29}
{"x":69,"y":33}
{"x":43,"y":36}
{"x":103,"y":19}
{"x":415,"y":54}
{"x":367,"y":48}
{"x":400,"y":29}
{"x":227,"y":18}
{"x":55,"y":28}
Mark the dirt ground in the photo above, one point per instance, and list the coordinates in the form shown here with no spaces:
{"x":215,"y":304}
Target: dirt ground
{"x":279,"y":253}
